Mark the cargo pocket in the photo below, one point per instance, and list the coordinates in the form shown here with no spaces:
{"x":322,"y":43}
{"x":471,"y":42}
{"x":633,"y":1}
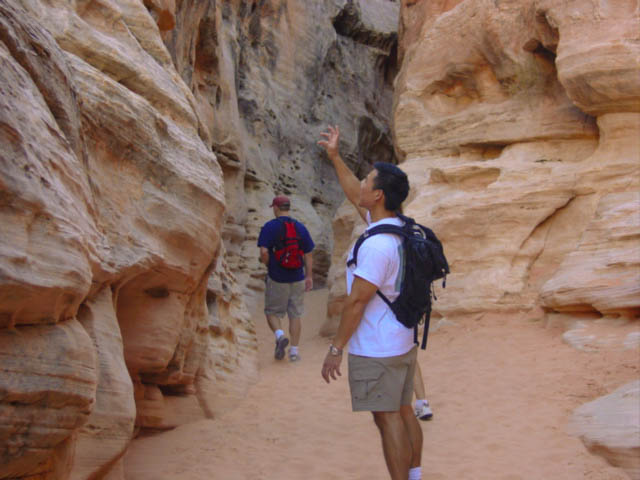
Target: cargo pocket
{"x":365,"y":383}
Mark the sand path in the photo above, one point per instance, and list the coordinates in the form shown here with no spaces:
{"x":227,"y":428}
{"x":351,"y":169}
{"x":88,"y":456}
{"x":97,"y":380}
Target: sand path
{"x":501,"y":390}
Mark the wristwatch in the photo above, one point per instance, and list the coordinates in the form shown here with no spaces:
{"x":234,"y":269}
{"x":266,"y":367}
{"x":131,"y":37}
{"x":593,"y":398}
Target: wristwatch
{"x":335,"y":351}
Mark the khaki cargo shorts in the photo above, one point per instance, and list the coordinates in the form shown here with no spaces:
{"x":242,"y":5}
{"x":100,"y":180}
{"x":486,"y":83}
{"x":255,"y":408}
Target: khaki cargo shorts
{"x":281,"y":298}
{"x":381,"y":384}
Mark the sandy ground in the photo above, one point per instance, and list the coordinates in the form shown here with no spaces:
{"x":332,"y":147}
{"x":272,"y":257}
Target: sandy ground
{"x":501,"y":389}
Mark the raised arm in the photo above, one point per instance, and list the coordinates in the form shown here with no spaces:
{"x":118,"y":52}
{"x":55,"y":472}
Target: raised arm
{"x":348,"y":181}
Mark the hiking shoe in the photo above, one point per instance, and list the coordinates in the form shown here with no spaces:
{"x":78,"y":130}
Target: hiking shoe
{"x":294,"y":357}
{"x":281,"y":344}
{"x":424,"y":413}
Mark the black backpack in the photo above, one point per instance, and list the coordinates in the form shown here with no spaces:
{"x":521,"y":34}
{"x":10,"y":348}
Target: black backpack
{"x":288,"y":246}
{"x":424,"y":262}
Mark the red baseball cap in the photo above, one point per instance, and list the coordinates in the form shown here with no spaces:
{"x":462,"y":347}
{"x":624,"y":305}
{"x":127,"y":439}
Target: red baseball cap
{"x":279,"y":201}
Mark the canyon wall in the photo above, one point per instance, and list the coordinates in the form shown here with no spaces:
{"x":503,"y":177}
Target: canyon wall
{"x":522,"y":143}
{"x":117,"y":309}
{"x":268,"y":77}
{"x":518,"y":124}
{"x":142,"y":142}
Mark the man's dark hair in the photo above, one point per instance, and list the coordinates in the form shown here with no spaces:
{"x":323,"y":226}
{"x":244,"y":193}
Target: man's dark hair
{"x":394,"y":184}
{"x":284,"y":207}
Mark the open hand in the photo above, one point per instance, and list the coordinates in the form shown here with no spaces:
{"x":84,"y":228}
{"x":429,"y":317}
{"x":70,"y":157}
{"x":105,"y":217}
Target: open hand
{"x":331,"y":366}
{"x":331,"y":143}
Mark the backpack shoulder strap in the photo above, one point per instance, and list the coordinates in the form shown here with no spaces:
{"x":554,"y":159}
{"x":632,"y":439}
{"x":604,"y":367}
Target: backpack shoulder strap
{"x":282,"y":233}
{"x":291,"y":221}
{"x":384,"y":228}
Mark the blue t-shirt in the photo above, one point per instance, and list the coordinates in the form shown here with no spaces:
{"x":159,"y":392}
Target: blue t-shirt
{"x":268,"y":237}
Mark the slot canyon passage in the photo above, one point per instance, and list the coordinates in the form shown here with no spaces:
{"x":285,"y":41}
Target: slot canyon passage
{"x":141,"y":143}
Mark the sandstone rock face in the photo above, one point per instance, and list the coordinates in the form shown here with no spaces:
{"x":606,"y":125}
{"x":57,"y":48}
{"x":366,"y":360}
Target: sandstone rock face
{"x":267,"y":78}
{"x":112,"y":276}
{"x":46,"y":395}
{"x":347,"y":226}
{"x":610,"y":426}
{"x":523,"y":154}
{"x":142,"y":143}
{"x":47,"y":234}
{"x":109,"y":428}
{"x":603,"y":272}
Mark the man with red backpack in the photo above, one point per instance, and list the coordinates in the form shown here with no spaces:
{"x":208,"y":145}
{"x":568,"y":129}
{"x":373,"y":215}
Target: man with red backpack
{"x":285,"y":247}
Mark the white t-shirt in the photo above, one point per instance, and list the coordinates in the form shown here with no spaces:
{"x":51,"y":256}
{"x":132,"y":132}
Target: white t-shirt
{"x":379,"y":333}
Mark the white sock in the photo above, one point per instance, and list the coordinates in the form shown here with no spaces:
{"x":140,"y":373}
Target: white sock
{"x":420,"y":402}
{"x":293,"y":350}
{"x":415,"y":473}
{"x":279,"y":333}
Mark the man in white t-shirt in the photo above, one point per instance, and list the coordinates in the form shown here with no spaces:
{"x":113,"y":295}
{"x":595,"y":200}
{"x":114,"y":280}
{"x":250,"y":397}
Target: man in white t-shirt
{"x":382,"y":355}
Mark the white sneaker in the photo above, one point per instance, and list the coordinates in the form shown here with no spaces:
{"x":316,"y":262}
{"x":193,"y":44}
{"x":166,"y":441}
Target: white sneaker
{"x":424,"y":413}
{"x":294,"y":357}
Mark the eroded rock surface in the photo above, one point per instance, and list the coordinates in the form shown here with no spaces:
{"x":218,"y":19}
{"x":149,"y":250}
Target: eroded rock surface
{"x":46,"y":395}
{"x":523,"y":151}
{"x":112,"y":206}
{"x":268,"y":77}
{"x":610,"y":426}
{"x":142,"y":143}
{"x":110,"y":426}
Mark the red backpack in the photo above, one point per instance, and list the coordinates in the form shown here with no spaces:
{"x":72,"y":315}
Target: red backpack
{"x":287,"y":249}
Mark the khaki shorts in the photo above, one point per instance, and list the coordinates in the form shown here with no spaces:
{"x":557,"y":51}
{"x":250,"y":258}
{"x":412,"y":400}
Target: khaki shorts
{"x":381,"y":384}
{"x":281,"y":298}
